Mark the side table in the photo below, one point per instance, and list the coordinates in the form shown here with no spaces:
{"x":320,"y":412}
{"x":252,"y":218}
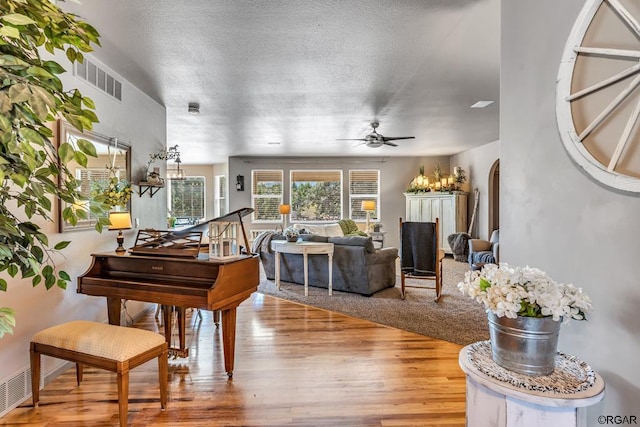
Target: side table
{"x":304,"y":248}
{"x":378,"y":236}
{"x":498,"y":397}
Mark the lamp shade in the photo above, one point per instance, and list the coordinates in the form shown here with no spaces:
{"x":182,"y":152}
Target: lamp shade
{"x":368,"y":205}
{"x":119,"y":220}
{"x":284,"y":209}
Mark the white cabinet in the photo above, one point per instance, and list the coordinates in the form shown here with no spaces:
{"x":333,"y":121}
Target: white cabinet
{"x":449,"y":208}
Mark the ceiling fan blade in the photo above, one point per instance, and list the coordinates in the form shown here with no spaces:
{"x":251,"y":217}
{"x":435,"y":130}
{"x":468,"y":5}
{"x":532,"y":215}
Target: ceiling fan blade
{"x":350,"y":139}
{"x":394,"y":138}
{"x":390,"y":143}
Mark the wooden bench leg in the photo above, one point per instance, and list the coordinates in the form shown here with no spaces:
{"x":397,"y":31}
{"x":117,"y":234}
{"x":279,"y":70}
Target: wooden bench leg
{"x":123,"y":393}
{"x":163,"y":373}
{"x":35,"y":376}
{"x":79,"y":372}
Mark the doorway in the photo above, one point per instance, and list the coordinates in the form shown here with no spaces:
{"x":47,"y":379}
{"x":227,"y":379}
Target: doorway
{"x":494,"y":197}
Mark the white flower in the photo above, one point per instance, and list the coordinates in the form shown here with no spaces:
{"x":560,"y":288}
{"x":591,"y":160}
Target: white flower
{"x":524,"y":291}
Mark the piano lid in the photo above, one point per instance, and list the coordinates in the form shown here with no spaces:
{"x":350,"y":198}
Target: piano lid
{"x":235,"y":216}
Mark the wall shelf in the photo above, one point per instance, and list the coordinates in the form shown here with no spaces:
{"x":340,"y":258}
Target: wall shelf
{"x":151,"y":188}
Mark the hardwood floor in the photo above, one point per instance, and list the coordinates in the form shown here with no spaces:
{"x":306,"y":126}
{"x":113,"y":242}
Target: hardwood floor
{"x":295,"y":366}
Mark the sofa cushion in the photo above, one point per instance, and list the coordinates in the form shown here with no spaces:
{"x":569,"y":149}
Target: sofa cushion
{"x":333,"y":230}
{"x":354,"y":241}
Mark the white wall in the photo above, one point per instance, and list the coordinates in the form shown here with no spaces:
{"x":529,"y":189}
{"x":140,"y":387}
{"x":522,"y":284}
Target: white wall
{"x":140,"y":122}
{"x":555,"y":217}
{"x":477,"y":164}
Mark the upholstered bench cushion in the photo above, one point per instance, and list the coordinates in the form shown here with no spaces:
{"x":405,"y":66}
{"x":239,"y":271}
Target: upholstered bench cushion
{"x":98,"y":339}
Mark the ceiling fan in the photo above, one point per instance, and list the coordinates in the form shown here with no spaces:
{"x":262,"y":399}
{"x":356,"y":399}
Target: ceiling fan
{"x":375,"y":140}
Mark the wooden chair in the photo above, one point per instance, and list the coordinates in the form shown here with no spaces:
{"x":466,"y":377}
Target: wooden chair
{"x":420,"y":254}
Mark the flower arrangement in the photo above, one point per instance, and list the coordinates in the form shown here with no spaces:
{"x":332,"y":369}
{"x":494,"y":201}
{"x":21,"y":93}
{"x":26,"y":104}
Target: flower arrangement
{"x":291,"y":233}
{"x":524,"y":291}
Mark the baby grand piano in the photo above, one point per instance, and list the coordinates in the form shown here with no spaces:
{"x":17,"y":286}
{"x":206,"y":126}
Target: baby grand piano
{"x":174,"y":281}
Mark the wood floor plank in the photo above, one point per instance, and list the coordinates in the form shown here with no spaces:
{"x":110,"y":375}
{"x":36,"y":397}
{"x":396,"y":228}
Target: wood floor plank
{"x":295,"y":366}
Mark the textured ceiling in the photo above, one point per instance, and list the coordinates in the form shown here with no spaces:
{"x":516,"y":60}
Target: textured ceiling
{"x":288,"y":77}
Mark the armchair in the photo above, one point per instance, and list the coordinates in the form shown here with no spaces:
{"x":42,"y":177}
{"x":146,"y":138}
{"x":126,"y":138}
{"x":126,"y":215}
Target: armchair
{"x":484,"y":252}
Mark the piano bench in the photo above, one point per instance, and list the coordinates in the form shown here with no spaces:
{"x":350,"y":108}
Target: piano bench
{"x":114,"y":348}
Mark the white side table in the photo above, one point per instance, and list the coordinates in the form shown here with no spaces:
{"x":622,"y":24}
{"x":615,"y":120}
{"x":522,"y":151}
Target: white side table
{"x":304,"y":248}
{"x":497,"y":397}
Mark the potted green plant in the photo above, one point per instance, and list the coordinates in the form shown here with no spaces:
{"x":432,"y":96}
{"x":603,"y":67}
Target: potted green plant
{"x":32,"y":169}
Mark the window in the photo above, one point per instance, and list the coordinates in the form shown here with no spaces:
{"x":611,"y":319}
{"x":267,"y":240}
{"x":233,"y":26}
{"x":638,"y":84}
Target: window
{"x":220,"y":196}
{"x":186,"y":198}
{"x":363,"y":185}
{"x":316,"y":195}
{"x":266,"y":195}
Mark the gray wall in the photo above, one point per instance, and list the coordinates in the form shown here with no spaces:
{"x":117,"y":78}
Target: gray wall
{"x":556,"y":218}
{"x":477,"y":164}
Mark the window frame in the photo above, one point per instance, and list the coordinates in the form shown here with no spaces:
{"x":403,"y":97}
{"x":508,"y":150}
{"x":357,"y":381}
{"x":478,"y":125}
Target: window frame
{"x":375,"y":216}
{"x":254,"y":196}
{"x":340,"y":173}
{"x":170,"y":183}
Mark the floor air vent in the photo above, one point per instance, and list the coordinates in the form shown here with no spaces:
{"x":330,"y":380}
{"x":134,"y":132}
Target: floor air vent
{"x":98,"y":77}
{"x":14,"y":391}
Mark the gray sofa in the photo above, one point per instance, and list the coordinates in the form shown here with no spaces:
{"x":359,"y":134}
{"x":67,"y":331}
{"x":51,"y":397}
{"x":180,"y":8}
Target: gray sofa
{"x":357,"y":266}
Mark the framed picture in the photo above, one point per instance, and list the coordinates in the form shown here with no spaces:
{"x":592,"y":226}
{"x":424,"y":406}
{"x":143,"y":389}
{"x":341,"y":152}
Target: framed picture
{"x":108,"y":173}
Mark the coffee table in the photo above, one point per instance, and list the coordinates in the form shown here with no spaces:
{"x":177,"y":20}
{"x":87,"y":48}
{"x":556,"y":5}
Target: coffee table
{"x":304,"y":248}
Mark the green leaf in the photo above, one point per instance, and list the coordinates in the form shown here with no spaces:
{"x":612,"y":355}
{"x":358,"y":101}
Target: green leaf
{"x":38,"y":253}
{"x":88,"y":102}
{"x":32,"y":136}
{"x":12,"y":270}
{"x":61,"y":245}
{"x":19,"y":93}
{"x":18,"y":19}
{"x":11,"y":32}
{"x":87,"y":147}
{"x":65,"y":276}
{"x":36,"y":281}
{"x":3,"y":285}
{"x":80,"y":158}
{"x":49,"y":281}
{"x":71,"y":54}
{"x":66,"y":152}
{"x":484,"y":284}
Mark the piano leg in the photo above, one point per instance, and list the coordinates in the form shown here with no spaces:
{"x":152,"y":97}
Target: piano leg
{"x":113,"y":310}
{"x":229,"y":339}
{"x":167,"y":312}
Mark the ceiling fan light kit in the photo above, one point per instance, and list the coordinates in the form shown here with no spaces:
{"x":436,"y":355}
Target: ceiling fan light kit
{"x":376,"y":140}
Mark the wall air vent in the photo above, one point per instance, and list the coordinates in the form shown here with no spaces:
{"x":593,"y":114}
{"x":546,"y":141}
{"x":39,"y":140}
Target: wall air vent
{"x":93,"y":74}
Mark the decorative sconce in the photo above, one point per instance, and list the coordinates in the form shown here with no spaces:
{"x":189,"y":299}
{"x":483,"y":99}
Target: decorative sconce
{"x":240,"y":183}
{"x":120,"y":221}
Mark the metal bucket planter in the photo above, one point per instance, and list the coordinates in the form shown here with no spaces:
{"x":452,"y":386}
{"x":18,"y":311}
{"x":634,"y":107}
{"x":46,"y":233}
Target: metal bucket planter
{"x":526,"y":345}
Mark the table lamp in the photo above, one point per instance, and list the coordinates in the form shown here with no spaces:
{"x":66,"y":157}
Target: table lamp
{"x":368,"y":206}
{"x":120,"y":221}
{"x":284,"y":211}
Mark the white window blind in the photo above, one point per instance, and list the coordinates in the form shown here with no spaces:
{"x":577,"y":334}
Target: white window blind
{"x":266,"y":195}
{"x":186,"y":198}
{"x":316,"y":195}
{"x":363,"y":185}
{"x":220,"y":195}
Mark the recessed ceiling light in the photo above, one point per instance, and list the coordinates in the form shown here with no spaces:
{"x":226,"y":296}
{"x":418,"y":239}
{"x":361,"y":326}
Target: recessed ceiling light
{"x":273,"y":143}
{"x":481,"y":104}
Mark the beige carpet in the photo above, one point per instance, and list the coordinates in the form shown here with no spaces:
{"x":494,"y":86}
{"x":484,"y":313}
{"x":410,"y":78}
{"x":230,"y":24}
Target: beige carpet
{"x":455,"y":318}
